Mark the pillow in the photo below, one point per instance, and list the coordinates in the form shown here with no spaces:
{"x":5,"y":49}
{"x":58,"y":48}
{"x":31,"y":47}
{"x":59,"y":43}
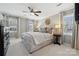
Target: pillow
{"x":42,"y":30}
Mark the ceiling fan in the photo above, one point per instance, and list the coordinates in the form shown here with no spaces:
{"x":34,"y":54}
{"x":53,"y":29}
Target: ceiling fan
{"x":59,"y":4}
{"x":32,"y":11}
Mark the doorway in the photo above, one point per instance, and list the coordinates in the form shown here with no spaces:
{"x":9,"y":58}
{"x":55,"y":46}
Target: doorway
{"x":68,"y":29}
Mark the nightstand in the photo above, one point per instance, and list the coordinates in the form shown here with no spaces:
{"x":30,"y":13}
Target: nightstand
{"x":57,"y":38}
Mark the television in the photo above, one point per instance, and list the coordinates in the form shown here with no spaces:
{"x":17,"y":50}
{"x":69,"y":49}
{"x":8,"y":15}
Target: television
{"x":77,"y":13}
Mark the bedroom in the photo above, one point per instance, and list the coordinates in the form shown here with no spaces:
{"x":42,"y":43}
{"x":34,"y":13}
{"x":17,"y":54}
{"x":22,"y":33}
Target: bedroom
{"x":35,"y":27}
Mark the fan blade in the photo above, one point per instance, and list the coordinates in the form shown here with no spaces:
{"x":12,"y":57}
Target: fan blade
{"x":29,"y":8}
{"x":36,"y":14}
{"x":59,"y":4}
{"x":37,"y":11}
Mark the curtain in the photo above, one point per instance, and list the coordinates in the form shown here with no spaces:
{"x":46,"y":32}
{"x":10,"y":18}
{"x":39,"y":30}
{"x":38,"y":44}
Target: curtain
{"x":75,"y":40}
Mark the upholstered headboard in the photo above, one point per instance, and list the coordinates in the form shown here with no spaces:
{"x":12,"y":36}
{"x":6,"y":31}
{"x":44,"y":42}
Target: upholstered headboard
{"x":50,"y":30}
{"x":42,"y":30}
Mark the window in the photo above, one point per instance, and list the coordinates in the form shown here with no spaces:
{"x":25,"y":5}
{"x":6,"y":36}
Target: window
{"x":68,"y":23}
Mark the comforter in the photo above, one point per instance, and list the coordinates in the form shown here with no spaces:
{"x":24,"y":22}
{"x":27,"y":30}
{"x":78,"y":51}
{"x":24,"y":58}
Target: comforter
{"x":35,"y":40}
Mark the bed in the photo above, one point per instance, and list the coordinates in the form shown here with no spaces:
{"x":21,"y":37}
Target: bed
{"x":33,"y":41}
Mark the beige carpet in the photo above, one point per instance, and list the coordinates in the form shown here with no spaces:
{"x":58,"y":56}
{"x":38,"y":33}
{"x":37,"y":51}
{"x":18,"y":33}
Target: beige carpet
{"x":16,"y":48}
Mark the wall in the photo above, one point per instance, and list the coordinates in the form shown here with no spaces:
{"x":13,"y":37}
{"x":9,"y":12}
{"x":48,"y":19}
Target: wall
{"x":30,"y":25}
{"x":19,"y":23}
{"x":11,"y":22}
{"x":36,"y":25}
{"x":42,"y":23}
{"x":23,"y":25}
{"x":55,"y":20}
{"x":58,"y":19}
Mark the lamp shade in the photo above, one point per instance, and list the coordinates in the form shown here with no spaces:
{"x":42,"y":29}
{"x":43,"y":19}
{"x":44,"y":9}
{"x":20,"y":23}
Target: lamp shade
{"x":57,"y":26}
{"x":57,"y":29}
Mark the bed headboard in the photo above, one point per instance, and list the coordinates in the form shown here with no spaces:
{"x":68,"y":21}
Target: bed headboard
{"x":50,"y":30}
{"x":42,"y":30}
{"x":46,"y":30}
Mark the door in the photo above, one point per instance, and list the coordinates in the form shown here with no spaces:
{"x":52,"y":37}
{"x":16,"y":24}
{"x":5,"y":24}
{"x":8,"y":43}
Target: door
{"x":68,"y":28}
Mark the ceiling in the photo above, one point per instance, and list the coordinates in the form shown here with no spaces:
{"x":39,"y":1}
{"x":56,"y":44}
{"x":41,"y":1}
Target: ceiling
{"x":48,"y":9}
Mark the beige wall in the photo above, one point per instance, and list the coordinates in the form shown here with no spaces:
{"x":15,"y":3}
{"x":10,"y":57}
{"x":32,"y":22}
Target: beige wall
{"x":55,"y":20}
{"x":36,"y":25}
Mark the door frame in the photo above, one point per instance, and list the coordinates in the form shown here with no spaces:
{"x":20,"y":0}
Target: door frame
{"x":71,"y":14}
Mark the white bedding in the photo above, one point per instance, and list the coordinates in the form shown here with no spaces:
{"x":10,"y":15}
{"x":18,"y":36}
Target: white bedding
{"x":40,"y":37}
{"x":36,"y":40}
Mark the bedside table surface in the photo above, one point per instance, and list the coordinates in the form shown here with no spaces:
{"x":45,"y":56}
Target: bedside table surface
{"x":56,"y":34}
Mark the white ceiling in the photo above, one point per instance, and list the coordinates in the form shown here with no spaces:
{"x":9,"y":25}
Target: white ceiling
{"x":48,"y":9}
